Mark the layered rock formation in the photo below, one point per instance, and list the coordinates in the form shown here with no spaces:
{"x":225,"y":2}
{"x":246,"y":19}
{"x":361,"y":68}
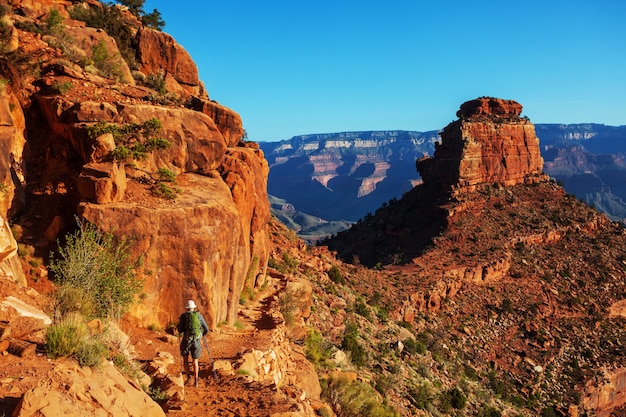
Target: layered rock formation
{"x":490,"y":143}
{"x":204,"y":235}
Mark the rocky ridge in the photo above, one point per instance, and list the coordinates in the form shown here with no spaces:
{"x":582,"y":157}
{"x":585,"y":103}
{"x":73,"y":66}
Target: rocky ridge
{"x":500,"y":270}
{"x":587,"y":159}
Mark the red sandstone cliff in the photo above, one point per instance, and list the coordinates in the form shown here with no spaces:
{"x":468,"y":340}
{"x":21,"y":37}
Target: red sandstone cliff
{"x":203,"y":243}
{"x":490,"y":143}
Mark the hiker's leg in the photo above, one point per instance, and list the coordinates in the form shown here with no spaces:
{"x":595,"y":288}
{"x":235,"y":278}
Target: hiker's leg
{"x":186,"y":364}
{"x":196,"y":369}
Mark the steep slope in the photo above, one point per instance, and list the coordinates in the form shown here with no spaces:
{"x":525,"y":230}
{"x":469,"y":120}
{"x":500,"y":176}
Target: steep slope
{"x":140,"y":152}
{"x":519,"y":287}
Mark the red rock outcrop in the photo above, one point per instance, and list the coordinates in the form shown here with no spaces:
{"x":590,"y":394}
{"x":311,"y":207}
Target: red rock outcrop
{"x":203,"y":243}
{"x":490,"y":143}
{"x":158,"y":51}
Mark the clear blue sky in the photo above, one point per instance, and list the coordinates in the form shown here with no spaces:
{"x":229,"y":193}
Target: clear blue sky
{"x":291,"y":67}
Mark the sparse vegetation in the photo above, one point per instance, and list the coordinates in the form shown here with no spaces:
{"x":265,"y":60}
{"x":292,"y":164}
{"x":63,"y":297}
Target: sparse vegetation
{"x":351,"y":344}
{"x":318,"y":349}
{"x":163,"y":190}
{"x":93,"y":268}
{"x":107,"y":64}
{"x":355,"y":399}
{"x":110,"y":19}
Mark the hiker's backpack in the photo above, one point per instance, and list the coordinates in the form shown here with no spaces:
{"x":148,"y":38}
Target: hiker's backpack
{"x":193,"y":330}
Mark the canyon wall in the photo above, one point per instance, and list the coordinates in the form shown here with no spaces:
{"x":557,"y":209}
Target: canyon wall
{"x":202,"y":231}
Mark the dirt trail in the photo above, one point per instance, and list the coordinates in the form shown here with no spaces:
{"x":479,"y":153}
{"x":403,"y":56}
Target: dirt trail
{"x":228,"y":395}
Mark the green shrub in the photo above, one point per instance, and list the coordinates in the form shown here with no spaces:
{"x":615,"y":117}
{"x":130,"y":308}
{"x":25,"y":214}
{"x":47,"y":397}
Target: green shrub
{"x":355,"y":399}
{"x":91,"y":352}
{"x":132,"y":140}
{"x":413,"y":346}
{"x":64,"y":338}
{"x":549,"y":412}
{"x":288,"y":305}
{"x":488,"y":411}
{"x":100,"y":267}
{"x":53,"y":23}
{"x":335,"y":275}
{"x":158,"y":395}
{"x":421,"y":396}
{"x":165,"y":191}
{"x":108,"y":65}
{"x":291,"y":264}
{"x":62,"y":88}
{"x":111,"y":20}
{"x":351,"y":343}
{"x":456,"y":398}
{"x":317,"y":349}
{"x":156,"y":81}
{"x":362,"y":309}
{"x":70,"y":299}
{"x":166,"y":175}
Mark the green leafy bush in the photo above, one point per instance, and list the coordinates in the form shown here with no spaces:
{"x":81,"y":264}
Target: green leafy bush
{"x":64,"y":338}
{"x":107,"y":64}
{"x":351,"y":343}
{"x":99,"y":268}
{"x":91,"y":352}
{"x":166,"y":175}
{"x":53,"y":23}
{"x":163,"y":190}
{"x":156,"y":81}
{"x":317,"y":349}
{"x":133,"y":140}
{"x":335,"y":275}
{"x":355,"y":399}
{"x":488,"y":411}
{"x":110,"y":19}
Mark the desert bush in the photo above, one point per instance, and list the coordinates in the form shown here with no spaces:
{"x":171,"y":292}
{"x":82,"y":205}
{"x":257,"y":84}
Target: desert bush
{"x":158,"y":395}
{"x":317,"y":349}
{"x":127,"y":366}
{"x":414,"y":346}
{"x":361,"y":308}
{"x":64,"y":338}
{"x":163,"y":190}
{"x":132,"y":140}
{"x":453,"y":398}
{"x":91,"y":352}
{"x":53,"y":24}
{"x":335,"y":275}
{"x":291,"y":264}
{"x":355,"y":399}
{"x":69,"y":299}
{"x":166,"y":175}
{"x":288,"y":305}
{"x":351,"y":343}
{"x":156,"y":81}
{"x":110,"y":19}
{"x":96,"y":264}
{"x":62,"y":87}
{"x":488,"y":411}
{"x":421,"y":396}
{"x":107,"y":64}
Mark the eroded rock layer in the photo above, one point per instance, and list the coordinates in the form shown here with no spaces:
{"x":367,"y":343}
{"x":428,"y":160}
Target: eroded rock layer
{"x":490,"y":143}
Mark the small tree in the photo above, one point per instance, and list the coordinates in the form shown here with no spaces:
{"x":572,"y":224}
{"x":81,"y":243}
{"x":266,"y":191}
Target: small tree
{"x":99,"y":268}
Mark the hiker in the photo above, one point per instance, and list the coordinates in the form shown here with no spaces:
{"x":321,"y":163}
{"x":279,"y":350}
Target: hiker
{"x":192,"y":327}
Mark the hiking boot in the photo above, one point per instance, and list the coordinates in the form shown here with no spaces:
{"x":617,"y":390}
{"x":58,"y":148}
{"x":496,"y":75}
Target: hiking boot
{"x":196,"y":382}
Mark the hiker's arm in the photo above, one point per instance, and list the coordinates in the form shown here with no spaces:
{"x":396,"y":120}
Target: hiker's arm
{"x":205,"y":328}
{"x":181,"y":325}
